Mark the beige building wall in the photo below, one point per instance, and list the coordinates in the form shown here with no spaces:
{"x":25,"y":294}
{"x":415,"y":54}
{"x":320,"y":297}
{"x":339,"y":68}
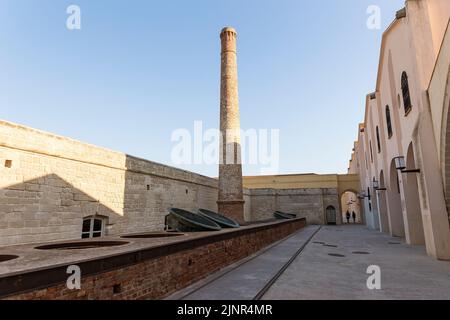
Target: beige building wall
{"x":409,"y":204}
{"x":353,"y":166}
{"x":310,"y":203}
{"x":439,"y":95}
{"x":308,"y":195}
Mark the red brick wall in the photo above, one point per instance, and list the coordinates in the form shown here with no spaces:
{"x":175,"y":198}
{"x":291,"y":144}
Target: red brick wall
{"x":162,"y":276}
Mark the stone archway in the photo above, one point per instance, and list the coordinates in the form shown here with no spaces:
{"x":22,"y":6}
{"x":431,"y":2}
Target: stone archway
{"x":445,"y":149}
{"x":414,"y":231}
{"x":351,"y":203}
{"x":396,"y":224}
{"x":382,"y":205}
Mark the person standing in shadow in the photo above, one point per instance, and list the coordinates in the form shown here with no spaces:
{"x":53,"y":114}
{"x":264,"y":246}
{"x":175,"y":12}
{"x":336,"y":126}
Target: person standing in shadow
{"x":354,"y":216}
{"x":347,"y":215}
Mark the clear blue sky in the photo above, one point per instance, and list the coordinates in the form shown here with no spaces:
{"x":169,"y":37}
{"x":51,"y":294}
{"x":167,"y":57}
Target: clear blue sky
{"x":137,"y":70}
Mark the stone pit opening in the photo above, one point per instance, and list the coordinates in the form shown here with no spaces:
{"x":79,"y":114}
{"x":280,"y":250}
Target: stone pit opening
{"x":81,"y":245}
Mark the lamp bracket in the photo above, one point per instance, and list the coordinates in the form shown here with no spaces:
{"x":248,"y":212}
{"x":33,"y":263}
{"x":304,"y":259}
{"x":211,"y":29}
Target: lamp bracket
{"x":411,"y":171}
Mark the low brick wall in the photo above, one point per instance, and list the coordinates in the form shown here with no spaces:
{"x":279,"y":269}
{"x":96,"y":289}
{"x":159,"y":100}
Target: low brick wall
{"x":152,"y":273}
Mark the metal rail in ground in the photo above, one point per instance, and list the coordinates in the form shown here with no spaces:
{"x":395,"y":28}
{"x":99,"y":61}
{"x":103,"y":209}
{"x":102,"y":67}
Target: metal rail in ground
{"x":269,"y":284}
{"x":272,"y":280}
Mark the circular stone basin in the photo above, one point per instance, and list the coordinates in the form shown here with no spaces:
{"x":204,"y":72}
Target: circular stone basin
{"x":360,"y":252}
{"x":336,"y":255}
{"x":7,"y":257}
{"x":81,"y":245}
{"x":152,"y":235}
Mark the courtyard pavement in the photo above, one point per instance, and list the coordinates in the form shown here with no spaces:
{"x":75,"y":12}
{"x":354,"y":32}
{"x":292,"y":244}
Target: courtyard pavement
{"x":406,"y":271}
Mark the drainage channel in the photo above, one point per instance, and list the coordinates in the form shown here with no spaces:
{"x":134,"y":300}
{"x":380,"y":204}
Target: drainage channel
{"x":269,"y":284}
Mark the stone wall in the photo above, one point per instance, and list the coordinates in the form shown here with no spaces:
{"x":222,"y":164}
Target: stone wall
{"x":49,"y":183}
{"x":308,"y":203}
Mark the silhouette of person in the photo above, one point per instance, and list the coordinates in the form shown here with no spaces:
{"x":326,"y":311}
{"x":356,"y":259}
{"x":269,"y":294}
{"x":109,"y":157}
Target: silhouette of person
{"x":347,"y":215}
{"x":354,"y":216}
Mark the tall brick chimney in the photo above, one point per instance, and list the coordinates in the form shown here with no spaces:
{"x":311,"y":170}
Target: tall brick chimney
{"x":231,"y":200}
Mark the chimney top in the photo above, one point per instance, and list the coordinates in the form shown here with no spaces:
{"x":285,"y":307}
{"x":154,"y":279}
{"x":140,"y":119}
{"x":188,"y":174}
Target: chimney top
{"x":228,"y":29}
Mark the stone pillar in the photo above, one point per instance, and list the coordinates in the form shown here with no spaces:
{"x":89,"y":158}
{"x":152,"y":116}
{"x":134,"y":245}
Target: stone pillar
{"x":231,"y":200}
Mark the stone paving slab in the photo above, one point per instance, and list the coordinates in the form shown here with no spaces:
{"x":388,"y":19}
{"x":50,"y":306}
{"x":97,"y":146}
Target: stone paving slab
{"x":406,"y":271}
{"x":247,"y":279}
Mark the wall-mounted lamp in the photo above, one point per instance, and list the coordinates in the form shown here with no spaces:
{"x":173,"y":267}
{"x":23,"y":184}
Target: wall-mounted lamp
{"x":362,"y":195}
{"x":376,"y":185}
{"x":400,"y":164}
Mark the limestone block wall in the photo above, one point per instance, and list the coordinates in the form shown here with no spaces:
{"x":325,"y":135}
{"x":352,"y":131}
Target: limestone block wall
{"x":308,"y":203}
{"x":48,"y":183}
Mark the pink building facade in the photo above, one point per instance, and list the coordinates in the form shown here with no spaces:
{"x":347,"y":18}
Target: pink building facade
{"x":401,"y":153}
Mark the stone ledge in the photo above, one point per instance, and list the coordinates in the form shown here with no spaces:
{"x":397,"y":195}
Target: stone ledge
{"x":152,"y":271}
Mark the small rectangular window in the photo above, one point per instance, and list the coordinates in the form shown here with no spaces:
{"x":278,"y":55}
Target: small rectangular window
{"x":93,"y":227}
{"x":86,"y":225}
{"x":97,"y":225}
{"x":8,"y":163}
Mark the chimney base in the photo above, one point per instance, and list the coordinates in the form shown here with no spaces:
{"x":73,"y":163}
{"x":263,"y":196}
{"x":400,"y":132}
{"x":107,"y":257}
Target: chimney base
{"x":233,"y":209}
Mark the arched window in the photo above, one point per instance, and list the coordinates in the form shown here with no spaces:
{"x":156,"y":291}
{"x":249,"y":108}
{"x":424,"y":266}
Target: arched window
{"x":93,"y":227}
{"x":405,"y":92}
{"x":371,"y":152}
{"x":378,"y":139}
{"x":388,"y":122}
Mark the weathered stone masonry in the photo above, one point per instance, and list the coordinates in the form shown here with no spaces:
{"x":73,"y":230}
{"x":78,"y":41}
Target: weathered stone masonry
{"x":308,"y":203}
{"x":49,"y":183}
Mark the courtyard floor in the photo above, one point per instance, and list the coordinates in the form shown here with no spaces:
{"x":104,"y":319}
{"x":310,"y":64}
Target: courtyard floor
{"x":301,"y":267}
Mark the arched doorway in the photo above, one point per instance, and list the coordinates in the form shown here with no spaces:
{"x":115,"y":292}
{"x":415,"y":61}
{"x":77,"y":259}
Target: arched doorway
{"x":331,"y":215}
{"x":351,"y":203}
{"x":382,"y":205}
{"x":414,"y":231}
{"x":396,"y":225}
{"x":373,"y":205}
{"x":445,"y":145}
